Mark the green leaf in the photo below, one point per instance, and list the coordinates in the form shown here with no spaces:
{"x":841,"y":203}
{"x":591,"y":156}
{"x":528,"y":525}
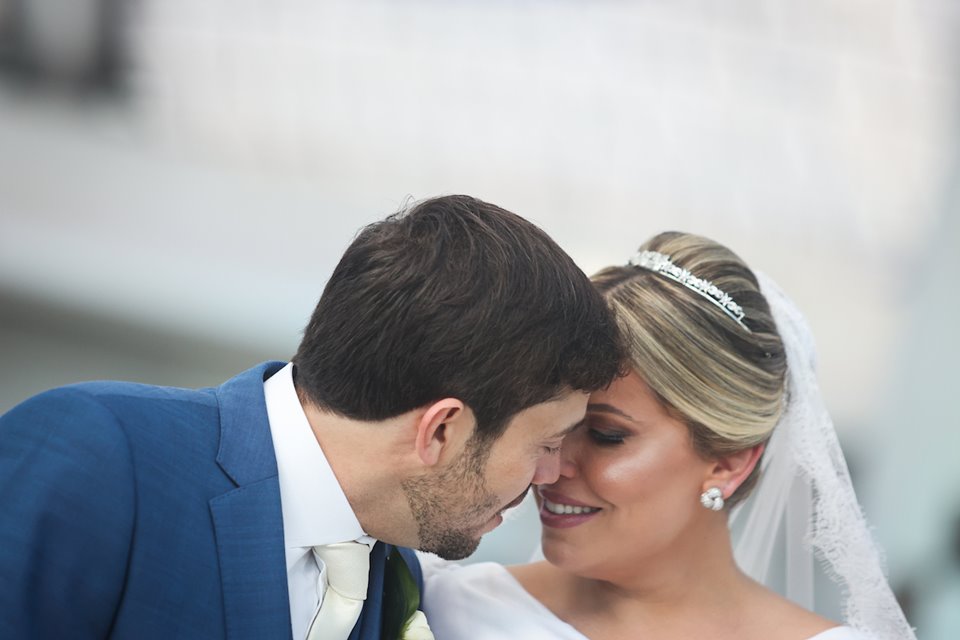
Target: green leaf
{"x":401,"y":597}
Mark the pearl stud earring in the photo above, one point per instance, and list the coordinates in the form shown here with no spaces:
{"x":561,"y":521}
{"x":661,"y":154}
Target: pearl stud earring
{"x":712,"y":499}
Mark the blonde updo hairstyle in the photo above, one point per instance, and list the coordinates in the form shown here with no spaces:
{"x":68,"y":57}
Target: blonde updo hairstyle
{"x":725,"y":383}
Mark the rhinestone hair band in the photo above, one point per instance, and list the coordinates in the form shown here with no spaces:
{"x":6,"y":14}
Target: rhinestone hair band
{"x":660,"y":263}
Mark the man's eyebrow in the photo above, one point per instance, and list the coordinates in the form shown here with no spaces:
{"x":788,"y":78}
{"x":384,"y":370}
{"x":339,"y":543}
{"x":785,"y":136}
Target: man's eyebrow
{"x":563,"y":434}
{"x":570,"y":429}
{"x":602,"y":407}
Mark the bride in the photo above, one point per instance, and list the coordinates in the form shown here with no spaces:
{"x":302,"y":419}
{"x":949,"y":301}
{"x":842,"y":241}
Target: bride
{"x":718,"y":427}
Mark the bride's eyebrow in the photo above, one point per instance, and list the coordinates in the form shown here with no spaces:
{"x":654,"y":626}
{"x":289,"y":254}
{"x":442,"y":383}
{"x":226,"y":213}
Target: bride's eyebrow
{"x":602,"y":407}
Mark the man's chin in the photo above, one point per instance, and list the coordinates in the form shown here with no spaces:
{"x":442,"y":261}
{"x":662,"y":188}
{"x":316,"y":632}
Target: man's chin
{"x":458,"y":552}
{"x":452,"y":546}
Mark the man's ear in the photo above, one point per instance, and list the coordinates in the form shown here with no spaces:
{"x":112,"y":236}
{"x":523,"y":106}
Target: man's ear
{"x":729,"y":471}
{"x":444,"y":425}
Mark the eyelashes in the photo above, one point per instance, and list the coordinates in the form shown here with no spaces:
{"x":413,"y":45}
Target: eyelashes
{"x":601,"y":434}
{"x":606,"y":438}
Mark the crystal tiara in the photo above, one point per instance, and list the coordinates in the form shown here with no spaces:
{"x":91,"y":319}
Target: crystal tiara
{"x":660,"y":263}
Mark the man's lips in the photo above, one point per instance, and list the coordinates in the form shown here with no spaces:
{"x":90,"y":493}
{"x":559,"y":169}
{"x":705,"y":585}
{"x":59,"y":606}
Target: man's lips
{"x":516,"y":502}
{"x":497,"y":518}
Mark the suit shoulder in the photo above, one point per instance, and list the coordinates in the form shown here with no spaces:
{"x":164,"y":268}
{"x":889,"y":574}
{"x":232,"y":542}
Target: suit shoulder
{"x":112,"y":391}
{"x":66,"y":415}
{"x":67,"y":492}
{"x":115,"y":397}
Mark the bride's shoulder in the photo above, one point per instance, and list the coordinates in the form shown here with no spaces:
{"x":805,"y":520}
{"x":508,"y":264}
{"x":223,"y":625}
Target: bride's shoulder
{"x":484,"y":601}
{"x":440,"y":572}
{"x":772,"y":615}
{"x":452,"y":579}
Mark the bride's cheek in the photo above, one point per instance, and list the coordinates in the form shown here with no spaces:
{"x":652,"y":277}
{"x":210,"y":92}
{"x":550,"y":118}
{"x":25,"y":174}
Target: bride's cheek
{"x":625,"y":469}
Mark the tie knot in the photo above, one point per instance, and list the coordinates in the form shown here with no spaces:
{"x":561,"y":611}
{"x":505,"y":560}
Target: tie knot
{"x":348,"y":564}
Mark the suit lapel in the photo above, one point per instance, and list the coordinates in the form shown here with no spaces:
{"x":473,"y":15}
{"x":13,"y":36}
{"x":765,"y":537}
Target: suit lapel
{"x":246,"y":447}
{"x":253,"y":570}
{"x":248,"y":520}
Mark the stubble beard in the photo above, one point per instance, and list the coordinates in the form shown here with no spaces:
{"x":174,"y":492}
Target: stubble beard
{"x":444,"y":526}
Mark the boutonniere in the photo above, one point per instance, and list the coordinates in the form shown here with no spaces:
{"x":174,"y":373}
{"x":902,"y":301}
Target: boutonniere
{"x":402,"y":618}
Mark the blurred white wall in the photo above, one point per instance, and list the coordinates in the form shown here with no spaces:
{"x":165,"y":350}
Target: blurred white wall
{"x":183,"y":228}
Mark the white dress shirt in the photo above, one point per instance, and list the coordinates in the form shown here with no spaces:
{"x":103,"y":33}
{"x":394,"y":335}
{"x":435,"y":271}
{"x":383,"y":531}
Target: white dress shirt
{"x":314,"y":507}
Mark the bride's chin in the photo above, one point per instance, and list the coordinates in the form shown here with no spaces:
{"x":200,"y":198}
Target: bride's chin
{"x":558,"y":552}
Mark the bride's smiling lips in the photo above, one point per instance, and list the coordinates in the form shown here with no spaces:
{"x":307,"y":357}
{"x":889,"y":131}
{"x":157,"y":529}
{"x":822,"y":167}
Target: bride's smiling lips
{"x":560,"y":512}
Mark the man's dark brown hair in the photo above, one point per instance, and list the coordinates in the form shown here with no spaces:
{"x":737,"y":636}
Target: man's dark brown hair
{"x":454,"y":297}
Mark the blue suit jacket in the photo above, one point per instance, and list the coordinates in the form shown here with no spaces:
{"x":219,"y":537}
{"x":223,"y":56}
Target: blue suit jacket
{"x":132,"y":511}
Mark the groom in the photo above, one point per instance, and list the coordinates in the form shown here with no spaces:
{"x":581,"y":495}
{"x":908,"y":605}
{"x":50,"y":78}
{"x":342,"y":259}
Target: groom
{"x":452,"y":349}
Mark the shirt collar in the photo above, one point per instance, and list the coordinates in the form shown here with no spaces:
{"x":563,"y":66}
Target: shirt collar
{"x":314,"y":508}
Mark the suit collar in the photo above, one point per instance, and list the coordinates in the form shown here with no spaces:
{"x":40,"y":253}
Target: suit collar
{"x":248,"y":520}
{"x":315,"y":509}
{"x":246,"y":449}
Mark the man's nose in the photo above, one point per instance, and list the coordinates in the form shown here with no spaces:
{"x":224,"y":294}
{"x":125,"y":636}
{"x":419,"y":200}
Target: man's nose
{"x":548,"y":469}
{"x":568,"y":455}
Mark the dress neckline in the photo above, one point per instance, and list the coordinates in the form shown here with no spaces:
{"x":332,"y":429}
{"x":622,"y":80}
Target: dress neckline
{"x":516,"y":585}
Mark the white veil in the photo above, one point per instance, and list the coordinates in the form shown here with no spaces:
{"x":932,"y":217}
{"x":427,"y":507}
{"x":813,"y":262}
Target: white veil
{"x":803,"y":519}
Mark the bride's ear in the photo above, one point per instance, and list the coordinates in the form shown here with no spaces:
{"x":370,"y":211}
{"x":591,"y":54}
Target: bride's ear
{"x":443,"y":428}
{"x":729,"y":472}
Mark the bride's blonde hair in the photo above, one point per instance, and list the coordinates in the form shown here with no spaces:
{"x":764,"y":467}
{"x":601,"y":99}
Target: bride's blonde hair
{"x":724,"y":382}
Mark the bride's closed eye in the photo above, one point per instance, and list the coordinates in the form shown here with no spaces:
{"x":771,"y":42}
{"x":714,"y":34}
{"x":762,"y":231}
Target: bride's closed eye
{"x":606,"y":436}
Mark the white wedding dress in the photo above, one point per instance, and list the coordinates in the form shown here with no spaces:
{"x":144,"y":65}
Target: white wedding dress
{"x":484,"y":602}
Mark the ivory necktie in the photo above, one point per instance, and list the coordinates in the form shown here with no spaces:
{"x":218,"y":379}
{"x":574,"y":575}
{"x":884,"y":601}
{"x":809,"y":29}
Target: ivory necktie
{"x":348,"y":564}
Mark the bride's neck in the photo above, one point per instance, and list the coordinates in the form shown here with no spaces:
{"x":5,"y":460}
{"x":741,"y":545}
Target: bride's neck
{"x":689,"y":578}
{"x":691,"y":564}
